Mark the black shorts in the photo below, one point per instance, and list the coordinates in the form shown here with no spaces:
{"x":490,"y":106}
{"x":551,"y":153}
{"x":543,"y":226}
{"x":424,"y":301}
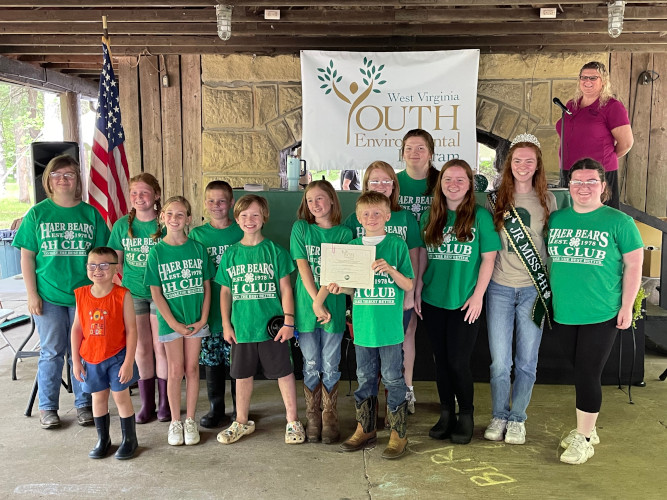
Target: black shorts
{"x":273,"y":358}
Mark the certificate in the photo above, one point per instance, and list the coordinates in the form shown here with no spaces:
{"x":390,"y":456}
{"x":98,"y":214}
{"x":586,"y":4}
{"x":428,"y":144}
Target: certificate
{"x":348,"y":266}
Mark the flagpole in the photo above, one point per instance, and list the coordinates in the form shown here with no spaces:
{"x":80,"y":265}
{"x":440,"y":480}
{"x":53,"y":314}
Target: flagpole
{"x":105,"y":27}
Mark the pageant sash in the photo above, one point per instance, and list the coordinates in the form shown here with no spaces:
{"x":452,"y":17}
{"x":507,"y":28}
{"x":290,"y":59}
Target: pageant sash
{"x":524,"y":246}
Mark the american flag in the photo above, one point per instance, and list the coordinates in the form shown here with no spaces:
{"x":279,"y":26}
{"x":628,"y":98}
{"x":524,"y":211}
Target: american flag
{"x":109,"y":174}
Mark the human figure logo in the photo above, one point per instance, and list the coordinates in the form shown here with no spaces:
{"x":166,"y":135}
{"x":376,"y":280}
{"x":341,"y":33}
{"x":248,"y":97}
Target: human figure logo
{"x":370,"y":77}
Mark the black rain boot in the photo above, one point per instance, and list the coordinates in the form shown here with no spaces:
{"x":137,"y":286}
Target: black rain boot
{"x":129,"y":443}
{"x":215,"y":385}
{"x":445,"y":425}
{"x":462,"y":433}
{"x":103,"y":440}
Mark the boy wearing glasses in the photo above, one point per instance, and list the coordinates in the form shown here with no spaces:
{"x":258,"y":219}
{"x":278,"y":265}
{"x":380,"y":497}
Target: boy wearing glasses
{"x":104,"y":340}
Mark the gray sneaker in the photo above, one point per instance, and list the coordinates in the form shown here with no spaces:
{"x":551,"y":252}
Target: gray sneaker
{"x":515,"y":433}
{"x":595,"y":439}
{"x":578,"y":452}
{"x":496,"y":429}
{"x":49,"y":419}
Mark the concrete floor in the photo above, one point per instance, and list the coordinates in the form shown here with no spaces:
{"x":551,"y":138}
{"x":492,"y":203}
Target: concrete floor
{"x":630,"y":461}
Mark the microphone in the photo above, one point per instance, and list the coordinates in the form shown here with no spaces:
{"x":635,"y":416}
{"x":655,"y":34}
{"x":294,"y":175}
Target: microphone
{"x":562,"y":106}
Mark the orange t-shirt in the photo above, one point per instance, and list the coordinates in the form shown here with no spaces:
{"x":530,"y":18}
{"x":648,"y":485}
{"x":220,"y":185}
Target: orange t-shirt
{"x":102,"y":322}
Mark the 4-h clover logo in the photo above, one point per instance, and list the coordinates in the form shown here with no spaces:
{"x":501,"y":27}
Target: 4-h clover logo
{"x":69,"y":235}
{"x":249,"y":278}
{"x":370,"y":77}
{"x":185,"y":273}
{"x":575,"y":242}
{"x":416,"y":207}
{"x":144,"y":248}
{"x":447,"y":238}
{"x":217,"y":260}
{"x":547,"y":295}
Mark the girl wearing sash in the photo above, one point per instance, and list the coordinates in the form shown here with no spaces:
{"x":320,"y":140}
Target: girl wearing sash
{"x":454,"y":271}
{"x":596,"y":265}
{"x":417,"y":183}
{"x":520,"y":209}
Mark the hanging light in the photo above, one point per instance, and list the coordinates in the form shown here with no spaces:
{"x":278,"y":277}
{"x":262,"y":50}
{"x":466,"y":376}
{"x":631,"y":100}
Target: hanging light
{"x":615,"y":11}
{"x":223,"y":14}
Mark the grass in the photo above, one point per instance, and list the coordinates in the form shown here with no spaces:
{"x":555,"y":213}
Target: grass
{"x":10,"y":206}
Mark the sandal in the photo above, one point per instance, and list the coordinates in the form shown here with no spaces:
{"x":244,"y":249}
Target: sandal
{"x":235,"y":432}
{"x":294,"y":433}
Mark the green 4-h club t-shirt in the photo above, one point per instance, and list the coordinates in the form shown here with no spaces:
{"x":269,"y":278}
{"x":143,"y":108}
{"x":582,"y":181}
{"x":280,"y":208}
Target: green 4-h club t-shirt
{"x":305,"y":244}
{"x":586,"y":252}
{"x":216,"y":242}
{"x":402,"y":224}
{"x":377,"y":313}
{"x":135,"y":252}
{"x":453,"y":267}
{"x":61,"y":238}
{"x":411,"y":194}
{"x":181,"y":271}
{"x":253,"y":273}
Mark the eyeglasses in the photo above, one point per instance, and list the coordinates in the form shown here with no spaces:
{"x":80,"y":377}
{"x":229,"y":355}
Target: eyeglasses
{"x":589,"y":183}
{"x":58,"y":175}
{"x":380,"y":183}
{"x":104,"y":266}
{"x":583,"y":78}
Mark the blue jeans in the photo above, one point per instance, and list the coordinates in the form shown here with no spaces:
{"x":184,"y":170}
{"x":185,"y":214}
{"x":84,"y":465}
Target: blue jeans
{"x":54,"y":327}
{"x":321,"y":355}
{"x":504,"y":306}
{"x":391,"y":363}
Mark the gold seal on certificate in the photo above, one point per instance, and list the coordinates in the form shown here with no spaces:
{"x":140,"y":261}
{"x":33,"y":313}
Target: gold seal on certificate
{"x":349,"y":266}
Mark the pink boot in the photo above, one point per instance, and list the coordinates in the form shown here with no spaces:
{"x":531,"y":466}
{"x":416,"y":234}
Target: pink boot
{"x":147,"y":393}
{"x":163,"y":411}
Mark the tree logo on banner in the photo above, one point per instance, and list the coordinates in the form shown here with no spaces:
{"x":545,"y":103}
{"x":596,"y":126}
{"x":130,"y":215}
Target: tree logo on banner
{"x":371,"y":78}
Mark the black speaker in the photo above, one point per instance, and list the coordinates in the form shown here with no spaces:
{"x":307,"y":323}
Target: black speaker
{"x":42,"y":154}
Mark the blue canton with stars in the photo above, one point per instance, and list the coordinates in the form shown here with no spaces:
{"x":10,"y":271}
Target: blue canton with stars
{"x":108,"y":104}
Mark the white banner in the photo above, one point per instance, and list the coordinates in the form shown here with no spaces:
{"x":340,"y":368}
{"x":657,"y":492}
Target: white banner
{"x":357,"y":106}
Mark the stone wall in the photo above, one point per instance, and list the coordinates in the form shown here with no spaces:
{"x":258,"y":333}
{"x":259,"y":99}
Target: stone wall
{"x":251,"y":107}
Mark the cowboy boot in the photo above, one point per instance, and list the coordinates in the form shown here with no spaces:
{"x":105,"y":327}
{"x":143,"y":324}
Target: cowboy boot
{"x":330,"y":431}
{"x":163,"y":411}
{"x":365,"y":435}
{"x":397,"y":439}
{"x":129,"y":443}
{"x":445,"y":424}
{"x":313,"y":412}
{"x":215,"y":386}
{"x":103,"y":440}
{"x":147,"y":394}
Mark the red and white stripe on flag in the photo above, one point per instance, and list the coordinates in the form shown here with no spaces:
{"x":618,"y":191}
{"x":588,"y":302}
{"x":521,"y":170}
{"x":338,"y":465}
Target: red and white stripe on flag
{"x":109,"y":173}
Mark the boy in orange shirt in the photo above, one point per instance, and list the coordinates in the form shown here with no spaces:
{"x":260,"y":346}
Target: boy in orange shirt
{"x":104,"y":340}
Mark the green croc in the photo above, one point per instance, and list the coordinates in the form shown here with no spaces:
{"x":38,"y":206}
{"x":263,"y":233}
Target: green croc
{"x":235,"y":432}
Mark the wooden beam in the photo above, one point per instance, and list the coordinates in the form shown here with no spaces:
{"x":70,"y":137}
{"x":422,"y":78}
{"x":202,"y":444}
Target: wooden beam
{"x":128,"y":93}
{"x":172,"y":134}
{"x":656,"y":200}
{"x":273,"y":4}
{"x":14,"y":34}
{"x":27,"y":74}
{"x":151,"y":122}
{"x":192,"y":130}
{"x":318,"y":15}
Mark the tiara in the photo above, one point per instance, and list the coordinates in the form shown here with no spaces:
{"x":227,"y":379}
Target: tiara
{"x":525,"y":138}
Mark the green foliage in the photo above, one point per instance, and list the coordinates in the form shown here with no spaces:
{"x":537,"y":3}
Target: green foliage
{"x":637,"y":311}
{"x":19,"y":116}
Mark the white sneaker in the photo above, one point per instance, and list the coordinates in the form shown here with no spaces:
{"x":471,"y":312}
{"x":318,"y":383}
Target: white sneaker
{"x":595,"y":439}
{"x":496,"y":429}
{"x":410,"y":398}
{"x":578,"y":452}
{"x":175,"y":436}
{"x":191,"y":432}
{"x":515,"y":433}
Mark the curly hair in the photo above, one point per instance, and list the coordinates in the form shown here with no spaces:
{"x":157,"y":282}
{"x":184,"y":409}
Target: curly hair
{"x":605,"y":93}
{"x":506,"y":188}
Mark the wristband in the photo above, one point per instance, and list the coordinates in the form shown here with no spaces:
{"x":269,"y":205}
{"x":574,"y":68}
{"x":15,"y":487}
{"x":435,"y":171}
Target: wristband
{"x":288,"y":326}
{"x":288,"y":314}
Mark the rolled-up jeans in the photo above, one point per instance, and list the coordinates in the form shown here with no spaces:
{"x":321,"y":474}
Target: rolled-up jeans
{"x":54,"y":326}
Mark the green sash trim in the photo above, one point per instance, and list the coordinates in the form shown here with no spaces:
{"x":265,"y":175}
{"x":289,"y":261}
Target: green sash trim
{"x":524,"y":246}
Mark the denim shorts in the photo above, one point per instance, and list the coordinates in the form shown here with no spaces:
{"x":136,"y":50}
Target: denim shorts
{"x":144,"y":306}
{"x":104,"y":375}
{"x":170,"y":337}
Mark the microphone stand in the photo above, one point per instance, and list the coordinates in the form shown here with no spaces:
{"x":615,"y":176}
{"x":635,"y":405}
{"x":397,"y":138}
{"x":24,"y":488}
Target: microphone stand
{"x":564,"y":181}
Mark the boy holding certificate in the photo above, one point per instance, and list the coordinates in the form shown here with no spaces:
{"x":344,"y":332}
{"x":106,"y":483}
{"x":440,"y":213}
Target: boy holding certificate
{"x":377,"y":321}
